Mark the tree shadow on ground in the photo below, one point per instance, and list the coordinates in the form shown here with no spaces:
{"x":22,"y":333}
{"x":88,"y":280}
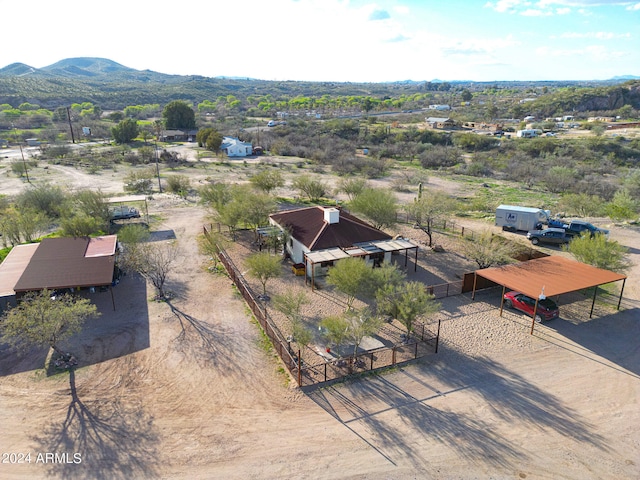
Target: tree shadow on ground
{"x":115,"y":333}
{"x":204,"y":342}
{"x":417,"y":398}
{"x":113,"y":440}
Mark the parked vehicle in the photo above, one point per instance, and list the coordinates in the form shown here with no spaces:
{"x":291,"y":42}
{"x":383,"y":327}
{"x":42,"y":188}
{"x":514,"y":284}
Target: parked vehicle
{"x":124,"y":212}
{"x":513,"y":218}
{"x":551,"y":236}
{"x":578,"y":227}
{"x":547,"y":309}
{"x":272,"y":123}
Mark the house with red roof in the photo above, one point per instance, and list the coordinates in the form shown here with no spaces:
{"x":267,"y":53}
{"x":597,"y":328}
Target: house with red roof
{"x":319,"y":236}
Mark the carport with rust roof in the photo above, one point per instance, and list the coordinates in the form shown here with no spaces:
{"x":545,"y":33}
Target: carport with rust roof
{"x":548,"y":277}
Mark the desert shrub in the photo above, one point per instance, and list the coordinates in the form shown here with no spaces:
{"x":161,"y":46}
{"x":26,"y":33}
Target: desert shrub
{"x":439,"y":157}
{"x":44,"y":198}
{"x":139,"y":181}
{"x":178,"y":184}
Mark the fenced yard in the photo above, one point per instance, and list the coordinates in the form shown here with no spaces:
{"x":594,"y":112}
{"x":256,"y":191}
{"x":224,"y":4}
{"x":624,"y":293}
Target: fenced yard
{"x":313,"y":364}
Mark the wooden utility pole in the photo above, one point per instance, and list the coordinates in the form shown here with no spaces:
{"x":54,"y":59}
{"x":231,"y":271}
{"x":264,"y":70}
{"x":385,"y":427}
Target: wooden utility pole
{"x":73,"y":140}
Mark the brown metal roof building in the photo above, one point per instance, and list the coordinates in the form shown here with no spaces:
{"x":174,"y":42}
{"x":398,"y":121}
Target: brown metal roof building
{"x":319,"y":228}
{"x":549,"y":276}
{"x":60,"y":263}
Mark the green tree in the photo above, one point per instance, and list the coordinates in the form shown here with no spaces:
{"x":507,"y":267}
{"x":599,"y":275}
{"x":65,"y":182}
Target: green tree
{"x":125,"y":131}
{"x":133,"y":234}
{"x":352,"y":277}
{"x":622,"y":206}
{"x":267,"y":180}
{"x":413,"y":301}
{"x":45,"y":198}
{"x":352,"y":326}
{"x":211,"y":244}
{"x":379,"y":205}
{"x":94,"y":204}
{"x":487,"y":249}
{"x":231,"y":214}
{"x":179,"y":115}
{"x":264,"y":267}
{"x":290,"y":305}
{"x":335,"y":329}
{"x":312,"y":188}
{"x":78,"y":224}
{"x":599,"y":252}
{"x":215,"y":195}
{"x":18,"y":224}
{"x":581,"y":204}
{"x":430,"y":208}
{"x":255,"y":206}
{"x":39,"y":320}
{"x":352,"y":186}
{"x":179,"y":184}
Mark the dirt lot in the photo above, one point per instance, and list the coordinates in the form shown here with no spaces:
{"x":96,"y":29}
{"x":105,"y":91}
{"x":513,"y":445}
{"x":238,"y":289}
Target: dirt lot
{"x":186,"y":390}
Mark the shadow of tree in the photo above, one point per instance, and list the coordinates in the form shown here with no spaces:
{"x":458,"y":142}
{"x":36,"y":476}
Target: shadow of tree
{"x":372,"y":408}
{"x":115,"y":441}
{"x":206,"y":343}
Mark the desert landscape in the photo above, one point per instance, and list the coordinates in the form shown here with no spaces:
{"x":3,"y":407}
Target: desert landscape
{"x":188,"y":389}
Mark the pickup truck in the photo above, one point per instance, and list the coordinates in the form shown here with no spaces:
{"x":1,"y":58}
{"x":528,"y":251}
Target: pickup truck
{"x":578,"y":227}
{"x":551,"y":236}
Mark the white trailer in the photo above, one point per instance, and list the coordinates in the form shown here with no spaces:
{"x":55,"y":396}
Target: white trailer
{"x":529,"y":133}
{"x":514,"y":218}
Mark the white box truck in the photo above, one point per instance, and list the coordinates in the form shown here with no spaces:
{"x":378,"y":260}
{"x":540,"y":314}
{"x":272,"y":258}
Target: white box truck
{"x":514,"y":218}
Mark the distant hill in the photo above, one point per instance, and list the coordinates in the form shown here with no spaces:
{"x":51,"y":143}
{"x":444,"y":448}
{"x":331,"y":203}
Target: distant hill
{"x":625,"y":77}
{"x":17,"y":69}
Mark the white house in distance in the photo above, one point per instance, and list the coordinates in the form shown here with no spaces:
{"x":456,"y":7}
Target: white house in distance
{"x":234,"y":147}
{"x":439,"y":107}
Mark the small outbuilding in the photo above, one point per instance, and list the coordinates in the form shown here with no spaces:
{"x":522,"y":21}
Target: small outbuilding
{"x":57,"y":264}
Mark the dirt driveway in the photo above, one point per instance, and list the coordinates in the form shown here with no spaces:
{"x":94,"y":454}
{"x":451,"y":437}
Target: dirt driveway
{"x":186,"y":390}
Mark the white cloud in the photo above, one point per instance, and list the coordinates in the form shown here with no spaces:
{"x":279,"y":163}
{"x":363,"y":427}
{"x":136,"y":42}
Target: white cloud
{"x":546,"y":7}
{"x":506,"y":5}
{"x":597,"y":35}
{"x":530,"y":12}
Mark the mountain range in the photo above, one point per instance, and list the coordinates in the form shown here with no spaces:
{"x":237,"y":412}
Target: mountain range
{"x":113,"y":86}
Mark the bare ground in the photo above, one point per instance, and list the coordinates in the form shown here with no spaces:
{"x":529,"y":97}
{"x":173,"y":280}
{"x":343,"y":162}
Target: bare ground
{"x":186,"y":390}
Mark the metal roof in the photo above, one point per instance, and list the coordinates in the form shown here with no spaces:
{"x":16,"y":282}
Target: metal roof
{"x":101,"y":246}
{"x":13,"y":266}
{"x":128,"y":198}
{"x":329,"y":255}
{"x":61,"y":263}
{"x":557,"y":275}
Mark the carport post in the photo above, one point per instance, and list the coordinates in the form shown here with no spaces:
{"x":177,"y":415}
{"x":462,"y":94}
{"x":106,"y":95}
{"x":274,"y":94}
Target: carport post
{"x":475,"y":278}
{"x":533,"y":320}
{"x":593,"y":302}
{"x":621,"y":290}
{"x":502,"y":299}
{"x":113,"y":301}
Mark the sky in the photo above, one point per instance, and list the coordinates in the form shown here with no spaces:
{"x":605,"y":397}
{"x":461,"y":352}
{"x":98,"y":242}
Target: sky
{"x":334,"y":40}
